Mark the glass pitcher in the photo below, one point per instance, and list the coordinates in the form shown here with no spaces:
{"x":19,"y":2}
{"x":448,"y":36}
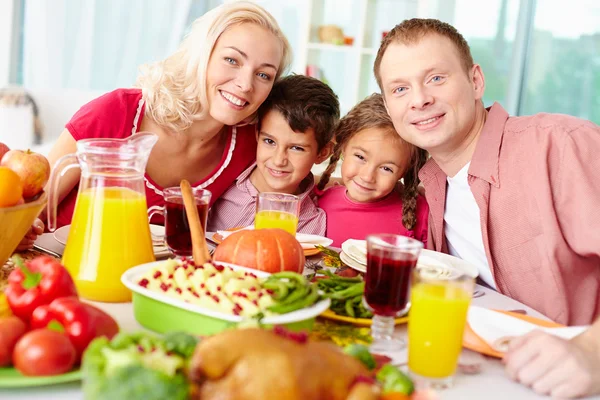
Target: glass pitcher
{"x":109,"y":231}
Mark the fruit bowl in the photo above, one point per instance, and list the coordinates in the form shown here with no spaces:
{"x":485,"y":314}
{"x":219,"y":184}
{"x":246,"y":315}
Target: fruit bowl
{"x":15,"y":221}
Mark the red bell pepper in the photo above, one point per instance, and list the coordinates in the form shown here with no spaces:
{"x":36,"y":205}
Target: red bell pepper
{"x":37,"y":283}
{"x":81,"y":322}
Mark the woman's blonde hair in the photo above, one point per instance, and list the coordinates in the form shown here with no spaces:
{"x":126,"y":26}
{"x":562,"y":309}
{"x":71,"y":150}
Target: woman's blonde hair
{"x":175,"y":88}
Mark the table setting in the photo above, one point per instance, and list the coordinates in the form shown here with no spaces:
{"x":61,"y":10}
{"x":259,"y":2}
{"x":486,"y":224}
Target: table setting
{"x":406,"y":322}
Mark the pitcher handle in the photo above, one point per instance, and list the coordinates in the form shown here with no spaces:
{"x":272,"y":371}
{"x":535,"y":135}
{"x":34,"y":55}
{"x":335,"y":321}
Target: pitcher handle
{"x":156,"y":239}
{"x":61,"y":167}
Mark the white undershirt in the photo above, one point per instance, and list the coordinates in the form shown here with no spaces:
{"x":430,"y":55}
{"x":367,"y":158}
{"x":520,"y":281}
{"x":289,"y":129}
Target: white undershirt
{"x":462,"y":225}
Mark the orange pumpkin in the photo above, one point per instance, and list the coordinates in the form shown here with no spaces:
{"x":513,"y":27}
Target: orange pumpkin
{"x":269,"y":250}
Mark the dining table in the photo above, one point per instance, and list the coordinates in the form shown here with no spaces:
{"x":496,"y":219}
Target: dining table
{"x":488,"y":381}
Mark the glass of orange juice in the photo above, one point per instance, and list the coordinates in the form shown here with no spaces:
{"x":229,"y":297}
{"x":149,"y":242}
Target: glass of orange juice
{"x":277,"y":210}
{"x":436,"y":324}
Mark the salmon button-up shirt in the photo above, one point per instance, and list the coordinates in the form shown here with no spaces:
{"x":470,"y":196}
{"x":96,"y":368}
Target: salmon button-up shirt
{"x":536,"y":180}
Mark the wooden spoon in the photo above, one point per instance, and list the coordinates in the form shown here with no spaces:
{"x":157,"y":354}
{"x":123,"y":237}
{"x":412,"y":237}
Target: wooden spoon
{"x":199,"y":249}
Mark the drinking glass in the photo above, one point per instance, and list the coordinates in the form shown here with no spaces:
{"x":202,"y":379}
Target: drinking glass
{"x":390,"y":262}
{"x":177,"y":229}
{"x":277,"y":210}
{"x":438,"y":315}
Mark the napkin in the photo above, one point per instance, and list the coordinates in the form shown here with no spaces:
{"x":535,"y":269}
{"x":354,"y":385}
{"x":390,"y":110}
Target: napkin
{"x":497,"y":329}
{"x":307,"y":241}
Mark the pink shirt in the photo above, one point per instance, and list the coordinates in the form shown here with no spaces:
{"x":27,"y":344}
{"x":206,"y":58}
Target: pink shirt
{"x":347,"y":219}
{"x":118,"y":114}
{"x":237,"y":207}
{"x":536,"y":182}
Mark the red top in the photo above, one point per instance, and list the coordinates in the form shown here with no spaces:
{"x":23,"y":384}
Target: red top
{"x":348,"y":219}
{"x":117,"y":115}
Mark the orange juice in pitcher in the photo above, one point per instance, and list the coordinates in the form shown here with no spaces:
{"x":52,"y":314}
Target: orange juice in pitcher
{"x":101,"y":247}
{"x":109,"y":231}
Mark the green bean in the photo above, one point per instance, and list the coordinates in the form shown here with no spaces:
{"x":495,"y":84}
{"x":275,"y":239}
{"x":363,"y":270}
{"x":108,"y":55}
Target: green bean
{"x":351,"y":291}
{"x":349,"y":308}
{"x":292,"y":276}
{"x":297,"y":294}
{"x":279,"y":288}
{"x":304,"y":302}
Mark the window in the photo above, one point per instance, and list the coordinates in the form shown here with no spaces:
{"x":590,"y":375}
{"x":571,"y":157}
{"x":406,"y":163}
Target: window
{"x":562,"y":73}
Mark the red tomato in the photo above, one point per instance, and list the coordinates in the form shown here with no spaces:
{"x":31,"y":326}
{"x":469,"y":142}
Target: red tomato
{"x":11,"y":330}
{"x":44,"y":352}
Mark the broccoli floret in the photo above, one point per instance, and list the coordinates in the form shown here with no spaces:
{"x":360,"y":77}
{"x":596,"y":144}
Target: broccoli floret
{"x":180,"y":343}
{"x":138,"y":383}
{"x":394,"y":380}
{"x":362,"y":354}
{"x":137,"y":366}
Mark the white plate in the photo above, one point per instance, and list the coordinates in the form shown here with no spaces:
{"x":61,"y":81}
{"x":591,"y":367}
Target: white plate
{"x":356,"y":250}
{"x":433,"y":260}
{"x":352,"y":263}
{"x":133,"y":275}
{"x":62,"y":234}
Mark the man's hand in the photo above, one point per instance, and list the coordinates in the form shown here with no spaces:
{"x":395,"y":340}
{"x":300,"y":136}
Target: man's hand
{"x":36,"y":229}
{"x":554,"y":366}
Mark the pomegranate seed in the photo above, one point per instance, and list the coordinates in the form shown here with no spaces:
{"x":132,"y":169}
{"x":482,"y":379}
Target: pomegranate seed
{"x":236,"y":311}
{"x":178,"y":291}
{"x":171,"y":276}
{"x":252,"y":289}
{"x":255,"y":302}
{"x":144,"y":283}
{"x":216,"y":299}
{"x":190,"y":274}
{"x":164,"y":287}
{"x":269,"y":291}
{"x":211,"y":275}
{"x":207,"y":293}
{"x":195,"y":294}
{"x":219,"y":268}
{"x":157,"y":275}
{"x":218,"y":288}
{"x":202,"y":286}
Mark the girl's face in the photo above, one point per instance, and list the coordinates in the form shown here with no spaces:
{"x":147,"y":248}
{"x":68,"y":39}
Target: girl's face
{"x":241,"y":71}
{"x":374,"y":160}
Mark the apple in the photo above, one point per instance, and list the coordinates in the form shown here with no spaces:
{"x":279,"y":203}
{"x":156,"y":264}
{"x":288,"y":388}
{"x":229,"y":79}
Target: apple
{"x":3,"y":150}
{"x":32,"y":168}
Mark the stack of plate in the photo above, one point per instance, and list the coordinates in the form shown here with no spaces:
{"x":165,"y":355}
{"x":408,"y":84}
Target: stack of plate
{"x":354,"y":254}
{"x":437,"y":265}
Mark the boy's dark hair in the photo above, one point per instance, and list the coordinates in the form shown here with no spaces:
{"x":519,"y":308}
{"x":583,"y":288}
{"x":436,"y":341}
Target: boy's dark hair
{"x":305,"y":103}
{"x":371,"y":113}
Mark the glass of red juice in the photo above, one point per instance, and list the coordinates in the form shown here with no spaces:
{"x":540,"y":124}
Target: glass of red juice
{"x":177,"y":229}
{"x":391,"y":260}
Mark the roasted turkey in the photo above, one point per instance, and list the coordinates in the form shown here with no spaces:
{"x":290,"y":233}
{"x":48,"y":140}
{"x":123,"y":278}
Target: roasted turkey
{"x":256,"y":364}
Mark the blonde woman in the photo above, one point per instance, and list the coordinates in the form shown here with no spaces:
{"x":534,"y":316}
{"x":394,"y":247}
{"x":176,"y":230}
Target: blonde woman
{"x":201,"y":102}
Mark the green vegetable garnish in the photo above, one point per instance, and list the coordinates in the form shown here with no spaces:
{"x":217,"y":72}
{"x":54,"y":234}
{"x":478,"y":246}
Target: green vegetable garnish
{"x":362,"y":354}
{"x":394,"y":380}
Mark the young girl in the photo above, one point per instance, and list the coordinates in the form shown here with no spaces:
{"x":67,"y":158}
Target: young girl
{"x":374,"y":159}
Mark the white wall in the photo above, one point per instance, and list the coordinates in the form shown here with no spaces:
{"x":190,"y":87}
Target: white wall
{"x":56,"y":108}
{"x":6,"y":29}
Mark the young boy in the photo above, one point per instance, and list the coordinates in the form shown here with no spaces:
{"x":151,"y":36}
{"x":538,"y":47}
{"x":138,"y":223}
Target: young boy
{"x":295,"y":129}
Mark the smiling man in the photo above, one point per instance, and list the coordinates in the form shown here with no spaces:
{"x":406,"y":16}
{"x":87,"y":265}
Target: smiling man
{"x":519,"y":197}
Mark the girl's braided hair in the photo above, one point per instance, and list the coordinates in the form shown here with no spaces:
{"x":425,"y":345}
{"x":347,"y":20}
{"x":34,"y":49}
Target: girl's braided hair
{"x":371,"y":113}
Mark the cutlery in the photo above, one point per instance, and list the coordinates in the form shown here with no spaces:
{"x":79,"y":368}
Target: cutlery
{"x":47,"y":251}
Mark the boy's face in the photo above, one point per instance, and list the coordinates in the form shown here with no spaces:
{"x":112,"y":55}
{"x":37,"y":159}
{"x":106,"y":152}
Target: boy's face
{"x":284,"y":157}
